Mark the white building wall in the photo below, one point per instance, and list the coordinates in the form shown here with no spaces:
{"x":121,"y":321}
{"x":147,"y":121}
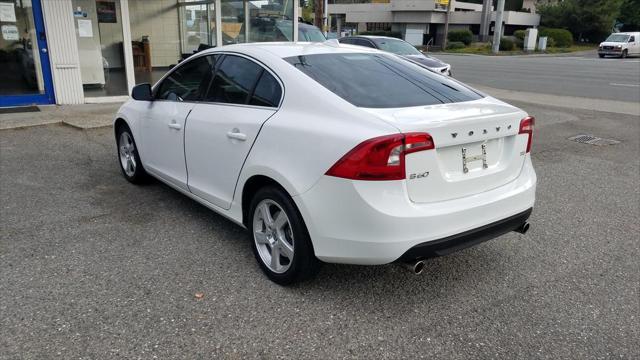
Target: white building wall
{"x":63,"y":51}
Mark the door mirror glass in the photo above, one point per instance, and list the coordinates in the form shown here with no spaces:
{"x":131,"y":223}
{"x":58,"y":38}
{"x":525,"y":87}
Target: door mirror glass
{"x":142,"y":92}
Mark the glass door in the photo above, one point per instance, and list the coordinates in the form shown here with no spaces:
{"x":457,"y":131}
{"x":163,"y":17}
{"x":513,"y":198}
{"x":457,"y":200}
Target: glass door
{"x":25,"y":73}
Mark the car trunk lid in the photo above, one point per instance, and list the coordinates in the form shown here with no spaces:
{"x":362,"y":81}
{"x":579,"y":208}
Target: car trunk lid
{"x":477,"y":147}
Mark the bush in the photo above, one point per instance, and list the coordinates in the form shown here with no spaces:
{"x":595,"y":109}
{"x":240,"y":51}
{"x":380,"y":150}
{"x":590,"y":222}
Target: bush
{"x":464,"y":36}
{"x":519,"y":43}
{"x":395,"y":34}
{"x":551,"y":43}
{"x":506,"y":44}
{"x":561,"y":37}
{"x":455,"y":45}
{"x":520,"y":34}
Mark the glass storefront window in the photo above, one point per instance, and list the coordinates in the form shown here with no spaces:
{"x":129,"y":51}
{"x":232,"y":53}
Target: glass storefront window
{"x":271,"y":20}
{"x":20,"y":71}
{"x":257,"y":21}
{"x":233,"y":20}
{"x":98,"y":25}
{"x":163,"y":32}
{"x":197,"y":26}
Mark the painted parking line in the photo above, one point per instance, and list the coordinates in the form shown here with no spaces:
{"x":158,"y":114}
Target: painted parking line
{"x":626,"y":85}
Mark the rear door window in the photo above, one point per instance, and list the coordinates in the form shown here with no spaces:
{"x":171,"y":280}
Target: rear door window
{"x":267,"y":91}
{"x":380,"y":80}
{"x":234,"y":80}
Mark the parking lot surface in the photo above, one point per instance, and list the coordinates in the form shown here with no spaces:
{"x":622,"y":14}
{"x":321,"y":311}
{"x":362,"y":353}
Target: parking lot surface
{"x":94,"y":267}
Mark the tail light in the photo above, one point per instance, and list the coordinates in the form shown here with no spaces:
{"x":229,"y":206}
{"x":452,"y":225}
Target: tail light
{"x":526,"y":127}
{"x":381,"y":158}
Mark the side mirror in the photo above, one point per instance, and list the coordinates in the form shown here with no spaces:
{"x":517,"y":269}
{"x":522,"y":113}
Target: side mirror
{"x":142,"y":92}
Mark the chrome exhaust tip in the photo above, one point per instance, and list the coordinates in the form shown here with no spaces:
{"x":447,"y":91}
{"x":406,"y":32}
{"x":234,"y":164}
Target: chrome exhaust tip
{"x":415,"y":267}
{"x":522,"y":229}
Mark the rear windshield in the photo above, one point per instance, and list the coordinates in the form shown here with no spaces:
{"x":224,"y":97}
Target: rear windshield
{"x":396,"y":46}
{"x":380,"y":80}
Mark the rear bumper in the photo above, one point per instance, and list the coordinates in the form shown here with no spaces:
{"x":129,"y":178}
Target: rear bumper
{"x":374,"y":222}
{"x":466,"y":239}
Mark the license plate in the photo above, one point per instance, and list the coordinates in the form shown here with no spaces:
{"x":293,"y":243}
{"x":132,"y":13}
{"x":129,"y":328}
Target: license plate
{"x":466,"y":158}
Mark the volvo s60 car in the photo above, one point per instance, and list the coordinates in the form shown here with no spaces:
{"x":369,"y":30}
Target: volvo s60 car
{"x":400,"y":48}
{"x":331,"y":153}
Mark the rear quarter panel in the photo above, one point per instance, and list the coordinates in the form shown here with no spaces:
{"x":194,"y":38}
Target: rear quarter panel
{"x":312,"y":130}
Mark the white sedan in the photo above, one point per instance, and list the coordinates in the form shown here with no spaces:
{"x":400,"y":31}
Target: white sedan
{"x":331,"y":153}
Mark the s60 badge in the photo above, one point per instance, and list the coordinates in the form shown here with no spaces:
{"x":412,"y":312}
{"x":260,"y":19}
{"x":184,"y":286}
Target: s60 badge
{"x":419,"y":176}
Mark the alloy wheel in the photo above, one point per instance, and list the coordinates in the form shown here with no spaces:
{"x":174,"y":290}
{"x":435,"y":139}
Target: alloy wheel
{"x":273,"y":236}
{"x":127,"y":156}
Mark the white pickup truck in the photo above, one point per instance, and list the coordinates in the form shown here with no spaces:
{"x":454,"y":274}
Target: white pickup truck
{"x":620,"y":44}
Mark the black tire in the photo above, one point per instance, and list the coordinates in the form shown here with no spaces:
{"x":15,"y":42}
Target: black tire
{"x":624,"y":54}
{"x":601,"y":55}
{"x":138,"y":175}
{"x":304,"y":264}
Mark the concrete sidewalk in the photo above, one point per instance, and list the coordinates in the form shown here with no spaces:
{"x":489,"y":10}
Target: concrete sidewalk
{"x":86,"y":116}
{"x":569,"y":102}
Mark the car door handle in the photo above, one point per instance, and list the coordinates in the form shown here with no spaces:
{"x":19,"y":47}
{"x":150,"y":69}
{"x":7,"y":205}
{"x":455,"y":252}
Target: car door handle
{"x":175,"y":126}
{"x":236,"y":134}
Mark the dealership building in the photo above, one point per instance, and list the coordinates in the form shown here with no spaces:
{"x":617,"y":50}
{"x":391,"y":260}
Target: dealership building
{"x":91,"y":51}
{"x":422,"y":21}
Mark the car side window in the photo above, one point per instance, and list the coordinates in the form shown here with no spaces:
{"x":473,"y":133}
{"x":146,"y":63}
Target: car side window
{"x":189,"y":82}
{"x":632,"y":39}
{"x":234,"y":80}
{"x":267,"y":91}
{"x":346,"y":41}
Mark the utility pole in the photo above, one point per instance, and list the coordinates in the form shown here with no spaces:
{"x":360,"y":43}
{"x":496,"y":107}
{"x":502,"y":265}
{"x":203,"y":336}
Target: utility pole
{"x":485,"y":21}
{"x":497,"y":31}
{"x":326,"y":18}
{"x":446,"y":26}
{"x":318,"y":12}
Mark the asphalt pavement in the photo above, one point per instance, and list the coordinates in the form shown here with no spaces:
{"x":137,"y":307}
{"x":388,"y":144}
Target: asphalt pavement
{"x":584,"y":75}
{"x":92,"y":267}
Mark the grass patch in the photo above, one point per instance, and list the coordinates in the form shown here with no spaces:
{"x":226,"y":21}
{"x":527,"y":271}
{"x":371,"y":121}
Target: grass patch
{"x":486,"y":50}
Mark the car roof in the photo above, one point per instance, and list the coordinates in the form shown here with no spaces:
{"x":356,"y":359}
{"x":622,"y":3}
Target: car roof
{"x":289,"y":49}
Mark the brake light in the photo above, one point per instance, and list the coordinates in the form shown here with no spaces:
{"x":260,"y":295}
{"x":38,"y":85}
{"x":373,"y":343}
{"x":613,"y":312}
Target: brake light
{"x":526,"y":127}
{"x":381,"y":158}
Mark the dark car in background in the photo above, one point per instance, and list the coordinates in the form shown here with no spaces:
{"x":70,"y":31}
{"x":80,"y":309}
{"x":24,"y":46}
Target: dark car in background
{"x":401,"y":48}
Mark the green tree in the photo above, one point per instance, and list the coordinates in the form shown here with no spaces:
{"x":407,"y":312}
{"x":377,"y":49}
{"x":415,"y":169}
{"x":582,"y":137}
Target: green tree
{"x":588,"y":20}
{"x":630,"y":15}
{"x":308,"y":11}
